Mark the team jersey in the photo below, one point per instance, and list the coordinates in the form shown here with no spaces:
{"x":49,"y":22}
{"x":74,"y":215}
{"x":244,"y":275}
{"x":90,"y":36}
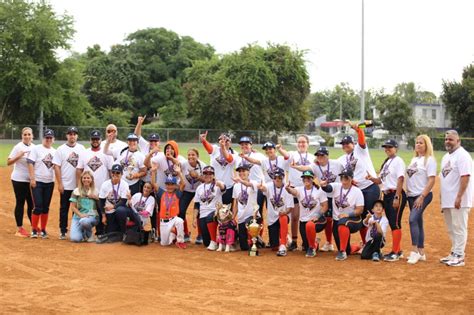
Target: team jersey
{"x":310,"y":201}
{"x":256,"y":172}
{"x":208,"y":195}
{"x":96,"y":162}
{"x":42,"y":158}
{"x":345,"y":200}
{"x":20,"y":168}
{"x":329,"y":172}
{"x":246,"y":198}
{"x":270,"y":166}
{"x":453,"y":166}
{"x":418,"y":173}
{"x":67,"y":157}
{"x":116,"y":146}
{"x":169,"y":203}
{"x":85,"y":205}
{"x":298,"y":158}
{"x":144,"y":147}
{"x":165,"y":168}
{"x":360,"y":163}
{"x":140,"y":203}
{"x":393,"y":169}
{"x":190,"y":183}
{"x":223,"y":169}
{"x":372,"y":228}
{"x":278,"y":200}
{"x":131,"y":163}
{"x":113,"y":193}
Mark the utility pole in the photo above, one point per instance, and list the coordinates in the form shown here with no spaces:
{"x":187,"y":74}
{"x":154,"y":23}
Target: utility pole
{"x":362,"y":92}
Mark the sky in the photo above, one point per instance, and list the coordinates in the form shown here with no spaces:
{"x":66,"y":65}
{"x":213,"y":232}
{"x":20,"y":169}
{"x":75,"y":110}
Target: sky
{"x":421,"y":41}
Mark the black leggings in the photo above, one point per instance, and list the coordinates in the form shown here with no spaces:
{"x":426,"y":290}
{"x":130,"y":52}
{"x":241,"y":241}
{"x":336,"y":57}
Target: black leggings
{"x":373,"y":246}
{"x":394,"y":216}
{"x":353,"y":223}
{"x":22,"y":194}
{"x":42,"y":194}
{"x":64,"y":204}
{"x":184,"y":203}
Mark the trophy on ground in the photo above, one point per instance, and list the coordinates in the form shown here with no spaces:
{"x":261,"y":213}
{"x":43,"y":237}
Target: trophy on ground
{"x":254,"y":230}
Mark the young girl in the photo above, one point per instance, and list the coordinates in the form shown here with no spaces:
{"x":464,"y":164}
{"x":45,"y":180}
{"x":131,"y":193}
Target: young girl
{"x":40,"y":167}
{"x":420,"y":180}
{"x":376,"y":228}
{"x":144,"y":204}
{"x":392,"y":174}
{"x":21,"y":179}
{"x":313,"y":205}
{"x":84,"y":201}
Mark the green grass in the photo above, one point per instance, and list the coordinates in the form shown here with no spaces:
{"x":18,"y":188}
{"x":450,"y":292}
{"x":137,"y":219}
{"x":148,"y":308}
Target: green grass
{"x":378,"y":155}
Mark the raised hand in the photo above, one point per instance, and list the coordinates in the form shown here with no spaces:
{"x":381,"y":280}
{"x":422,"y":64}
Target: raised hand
{"x":141,"y":119}
{"x":203,"y":136}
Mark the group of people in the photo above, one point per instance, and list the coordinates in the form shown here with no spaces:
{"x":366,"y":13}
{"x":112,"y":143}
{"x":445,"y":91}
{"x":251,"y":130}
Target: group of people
{"x":114,"y":185}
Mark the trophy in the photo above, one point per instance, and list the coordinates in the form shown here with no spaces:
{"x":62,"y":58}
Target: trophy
{"x":254,"y":230}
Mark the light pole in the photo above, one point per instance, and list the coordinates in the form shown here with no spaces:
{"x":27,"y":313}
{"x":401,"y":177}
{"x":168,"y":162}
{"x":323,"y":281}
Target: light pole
{"x":362,"y":92}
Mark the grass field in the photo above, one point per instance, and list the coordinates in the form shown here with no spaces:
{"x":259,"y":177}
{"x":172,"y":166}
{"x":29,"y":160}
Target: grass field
{"x":378,"y":155}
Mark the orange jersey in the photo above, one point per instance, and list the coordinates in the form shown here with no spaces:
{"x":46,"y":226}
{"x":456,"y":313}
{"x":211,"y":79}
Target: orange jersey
{"x":169,"y":205}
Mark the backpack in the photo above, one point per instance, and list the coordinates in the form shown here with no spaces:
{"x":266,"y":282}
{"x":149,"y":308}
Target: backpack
{"x":134,"y":235}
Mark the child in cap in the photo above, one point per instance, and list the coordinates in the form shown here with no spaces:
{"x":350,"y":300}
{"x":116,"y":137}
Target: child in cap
{"x":376,"y":228}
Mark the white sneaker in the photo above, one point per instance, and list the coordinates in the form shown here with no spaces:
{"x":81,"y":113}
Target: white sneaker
{"x":444,"y":260}
{"x":327,"y":247}
{"x":457,"y":261}
{"x":414,"y":258}
{"x":423,"y":257}
{"x":212,"y":246}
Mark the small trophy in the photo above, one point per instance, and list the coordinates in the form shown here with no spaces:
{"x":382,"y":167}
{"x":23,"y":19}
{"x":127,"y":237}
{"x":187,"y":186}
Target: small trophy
{"x":254,"y":230}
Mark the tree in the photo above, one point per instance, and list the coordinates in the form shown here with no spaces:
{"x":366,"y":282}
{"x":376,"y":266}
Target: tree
{"x":459,"y":100}
{"x":413,"y":95}
{"x":32,"y":78}
{"x":255,"y":89}
{"x":396,"y":114}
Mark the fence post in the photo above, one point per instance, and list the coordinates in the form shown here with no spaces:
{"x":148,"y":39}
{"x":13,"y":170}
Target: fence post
{"x":167,"y":135}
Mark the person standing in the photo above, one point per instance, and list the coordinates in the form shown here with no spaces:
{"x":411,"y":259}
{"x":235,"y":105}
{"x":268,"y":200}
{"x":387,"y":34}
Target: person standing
{"x":456,"y":196}
{"x":111,"y":136}
{"x":65,"y":162}
{"x":21,"y":179}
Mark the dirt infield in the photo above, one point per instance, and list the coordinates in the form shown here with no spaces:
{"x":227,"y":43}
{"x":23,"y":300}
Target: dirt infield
{"x":54,"y":277}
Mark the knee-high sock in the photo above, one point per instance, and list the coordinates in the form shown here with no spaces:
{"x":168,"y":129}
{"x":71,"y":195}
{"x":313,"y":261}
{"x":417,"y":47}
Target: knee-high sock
{"x":363,"y":233}
{"x":344,"y":234}
{"x":396,"y":240}
{"x":311,"y":234}
{"x":34,"y":221}
{"x":212,"y":227}
{"x":328,"y":230}
{"x":44,"y":221}
{"x":283,"y":229}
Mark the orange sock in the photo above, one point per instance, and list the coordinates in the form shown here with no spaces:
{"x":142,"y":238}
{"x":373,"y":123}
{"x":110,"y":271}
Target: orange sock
{"x":186,"y":231}
{"x":344,"y":234}
{"x":283,"y":229}
{"x":44,"y":221}
{"x":328,"y":230}
{"x":363,"y":233}
{"x":212,"y":228}
{"x":396,"y":240}
{"x":355,"y":248}
{"x":311,"y":234}
{"x":34,"y":221}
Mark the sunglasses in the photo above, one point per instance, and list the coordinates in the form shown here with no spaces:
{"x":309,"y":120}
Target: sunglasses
{"x":208,"y":173}
{"x":112,"y":130}
{"x":116,"y":173}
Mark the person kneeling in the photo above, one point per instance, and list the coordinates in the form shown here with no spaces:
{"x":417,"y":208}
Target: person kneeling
{"x":376,"y":229}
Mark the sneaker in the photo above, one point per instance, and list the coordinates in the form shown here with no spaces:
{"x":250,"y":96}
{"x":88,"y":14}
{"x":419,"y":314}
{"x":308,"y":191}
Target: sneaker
{"x":91,"y":239}
{"x":400,"y":254}
{"x":198,"y":240}
{"x":423,"y":257}
{"x":62,"y":236}
{"x":281,"y":251}
{"x":414,"y":258}
{"x":375,"y":257}
{"x":212,"y":246}
{"x":187,"y":238}
{"x":391,"y":257}
{"x":327,"y":247}
{"x":181,"y":245}
{"x":444,"y":260}
{"x":34,"y":234}
{"x":21,"y":232}
{"x":456,"y":261}
{"x":311,"y":252}
{"x":293,"y":246}
{"x":44,"y":235}
{"x":341,"y":256}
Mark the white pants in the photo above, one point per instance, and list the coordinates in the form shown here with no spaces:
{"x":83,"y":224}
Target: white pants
{"x":168,"y":235}
{"x":456,"y":222}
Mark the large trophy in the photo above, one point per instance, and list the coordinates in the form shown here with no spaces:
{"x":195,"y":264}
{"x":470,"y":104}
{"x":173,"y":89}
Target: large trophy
{"x":254,"y":230}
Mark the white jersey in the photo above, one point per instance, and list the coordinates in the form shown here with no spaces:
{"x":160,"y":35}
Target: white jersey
{"x":190,"y":183}
{"x":256,"y":172}
{"x":165,"y":168}
{"x":223,"y":169}
{"x":329,"y":172}
{"x":96,"y":162}
{"x":418,"y":174}
{"x":139,"y":203}
{"x":20,"y":168}
{"x":294,"y":176}
{"x":361,"y":163}
{"x":113,"y":193}
{"x":42,"y":157}
{"x":116,"y":146}
{"x":131,"y":162}
{"x":310,"y":201}
{"x":67,"y":157}
{"x":246,"y":198}
{"x":453,"y":166}
{"x":372,"y":229}
{"x":270,"y":166}
{"x":278,"y":200}
{"x":392,"y":170}
{"x":144,"y":147}
{"x":207,"y":195}
{"x":345,"y":200}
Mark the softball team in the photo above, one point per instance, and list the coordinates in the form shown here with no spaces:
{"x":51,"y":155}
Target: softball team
{"x":116,"y":186}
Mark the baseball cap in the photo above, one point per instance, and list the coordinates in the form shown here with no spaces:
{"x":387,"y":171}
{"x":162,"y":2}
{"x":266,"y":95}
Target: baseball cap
{"x":117,"y":168}
{"x":153,"y":137}
{"x":243,"y":167}
{"x":322,"y":151}
{"x":245,"y":139}
{"x":171,"y":180}
{"x":132,"y":136}
{"x":268,"y":144}
{"x":208,"y":169}
{"x":390,"y":143}
{"x":72,"y":130}
{"x":308,"y":174}
{"x":279,"y":173}
{"x":48,"y":133}
{"x":95,"y":134}
{"x":346,"y":140}
{"x":347,"y":172}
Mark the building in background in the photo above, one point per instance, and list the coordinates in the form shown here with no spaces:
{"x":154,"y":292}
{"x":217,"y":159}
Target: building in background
{"x":431,"y":116}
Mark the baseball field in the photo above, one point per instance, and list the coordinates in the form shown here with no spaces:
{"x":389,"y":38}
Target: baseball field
{"x":58,"y":277}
